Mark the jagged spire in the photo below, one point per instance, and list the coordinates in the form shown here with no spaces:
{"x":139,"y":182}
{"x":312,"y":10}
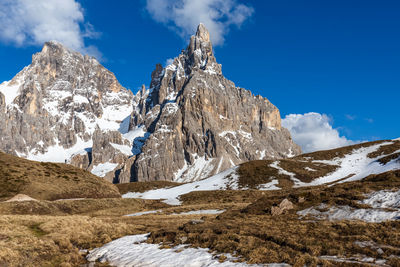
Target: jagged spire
{"x":202,"y":33}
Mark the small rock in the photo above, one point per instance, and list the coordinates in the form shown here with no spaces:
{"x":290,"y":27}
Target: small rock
{"x":286,"y":204}
{"x":276,"y":210}
{"x":196,"y":221}
{"x":301,"y":199}
{"x":283,"y":206}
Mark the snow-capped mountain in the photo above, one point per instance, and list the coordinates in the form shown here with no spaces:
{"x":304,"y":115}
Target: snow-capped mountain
{"x":60,"y":104}
{"x":190,"y":124}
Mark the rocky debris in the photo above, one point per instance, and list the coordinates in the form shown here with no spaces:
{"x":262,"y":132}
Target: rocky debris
{"x":20,"y":198}
{"x":199,"y":123}
{"x":283,"y":207}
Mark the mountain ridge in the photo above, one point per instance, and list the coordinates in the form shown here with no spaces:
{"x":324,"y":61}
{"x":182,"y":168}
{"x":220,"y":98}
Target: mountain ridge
{"x":66,"y":107}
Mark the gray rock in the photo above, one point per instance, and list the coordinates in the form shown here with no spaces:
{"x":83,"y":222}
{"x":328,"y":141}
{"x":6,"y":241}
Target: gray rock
{"x":64,"y":102}
{"x":200,"y":123}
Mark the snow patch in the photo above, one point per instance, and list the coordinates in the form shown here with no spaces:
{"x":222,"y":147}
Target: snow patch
{"x":379,"y":201}
{"x":132,"y":251}
{"x":198,"y":212}
{"x":103,"y":168}
{"x":58,"y":153}
{"x":221,"y":181}
{"x":10,"y":92}
{"x":356,"y":163}
{"x":124,"y":149}
{"x":201,"y":167}
{"x":269,"y":186}
{"x":143,"y":213}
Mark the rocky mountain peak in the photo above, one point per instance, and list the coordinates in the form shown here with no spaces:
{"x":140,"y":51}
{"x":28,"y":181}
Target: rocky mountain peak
{"x":195,"y":123}
{"x":191,"y":123}
{"x":199,"y":52}
{"x":55,"y":105}
{"x":202,"y":33}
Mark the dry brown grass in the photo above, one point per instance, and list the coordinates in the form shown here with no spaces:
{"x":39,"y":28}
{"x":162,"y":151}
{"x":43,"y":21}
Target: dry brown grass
{"x":253,"y":233}
{"x":144,"y":186}
{"x":54,"y":240}
{"x":90,"y":207}
{"x":49,"y":181}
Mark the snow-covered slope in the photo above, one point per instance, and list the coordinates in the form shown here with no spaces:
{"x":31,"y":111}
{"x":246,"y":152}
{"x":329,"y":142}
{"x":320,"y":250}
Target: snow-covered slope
{"x":338,"y":165}
{"x":222,"y":181}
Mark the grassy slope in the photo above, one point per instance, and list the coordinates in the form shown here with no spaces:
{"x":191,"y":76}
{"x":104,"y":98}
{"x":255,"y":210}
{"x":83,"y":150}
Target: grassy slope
{"x":49,"y":181}
{"x":254,"y":173}
{"x":247,"y":228}
{"x":253,"y":233}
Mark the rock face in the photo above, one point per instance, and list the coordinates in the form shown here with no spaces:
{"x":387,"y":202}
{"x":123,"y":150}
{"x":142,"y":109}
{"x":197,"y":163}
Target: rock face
{"x":62,"y":104}
{"x":191,"y":123}
{"x":198,"y":123}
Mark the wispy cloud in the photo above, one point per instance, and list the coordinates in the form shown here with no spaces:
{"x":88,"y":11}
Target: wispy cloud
{"x":313,"y":131}
{"x":27,"y":22}
{"x":183,"y":16}
{"x":351,"y":117}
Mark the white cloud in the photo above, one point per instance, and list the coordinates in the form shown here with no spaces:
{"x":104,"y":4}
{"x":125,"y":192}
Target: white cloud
{"x":313,"y":131}
{"x":183,"y":16}
{"x":28,"y":22}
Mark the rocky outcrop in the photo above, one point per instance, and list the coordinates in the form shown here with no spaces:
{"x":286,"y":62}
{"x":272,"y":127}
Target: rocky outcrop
{"x":199,"y":123}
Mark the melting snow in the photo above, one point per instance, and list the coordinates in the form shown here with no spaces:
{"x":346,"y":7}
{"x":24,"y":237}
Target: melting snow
{"x":378,"y":200}
{"x":135,"y":133}
{"x":57,"y":153}
{"x":131,"y":251}
{"x":269,"y":186}
{"x":355,"y":163}
{"x":143,"y":213}
{"x":201,"y":167}
{"x":383,"y":199}
{"x":348,"y":213}
{"x":221,"y":181}
{"x":103,"y":168}
{"x":197,"y":212}
{"x":125,"y":149}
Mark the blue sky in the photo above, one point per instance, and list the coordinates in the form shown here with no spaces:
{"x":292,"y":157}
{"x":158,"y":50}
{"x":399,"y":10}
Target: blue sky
{"x":339,"y":58}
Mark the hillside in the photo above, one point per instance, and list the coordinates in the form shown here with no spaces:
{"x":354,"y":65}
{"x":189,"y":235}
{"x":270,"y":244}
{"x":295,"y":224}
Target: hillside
{"x":339,"y":165}
{"x":212,"y":223}
{"x":49,"y":181}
